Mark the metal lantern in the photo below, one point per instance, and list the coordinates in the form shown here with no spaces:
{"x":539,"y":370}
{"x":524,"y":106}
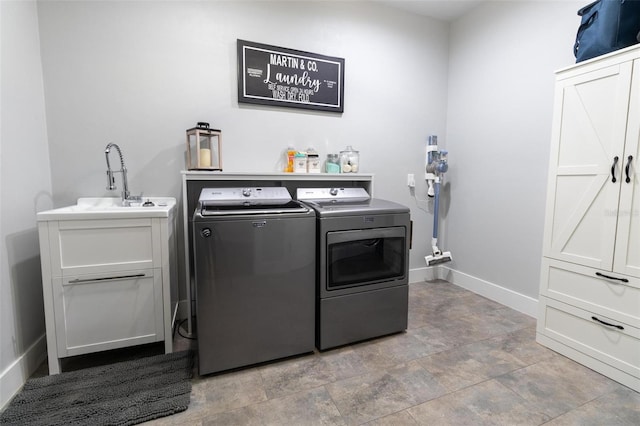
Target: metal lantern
{"x":204,"y":147}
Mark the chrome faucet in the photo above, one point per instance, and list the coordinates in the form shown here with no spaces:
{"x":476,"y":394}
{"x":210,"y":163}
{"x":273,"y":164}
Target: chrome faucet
{"x":111,"y":181}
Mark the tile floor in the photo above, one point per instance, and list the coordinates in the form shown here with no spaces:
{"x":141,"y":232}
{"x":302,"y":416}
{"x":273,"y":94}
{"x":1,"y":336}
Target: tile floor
{"x":464,"y":360}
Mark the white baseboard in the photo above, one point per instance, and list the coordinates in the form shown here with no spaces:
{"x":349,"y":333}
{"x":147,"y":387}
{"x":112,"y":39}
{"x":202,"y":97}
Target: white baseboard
{"x":15,"y":375}
{"x":514,"y":300}
{"x":432,"y":273}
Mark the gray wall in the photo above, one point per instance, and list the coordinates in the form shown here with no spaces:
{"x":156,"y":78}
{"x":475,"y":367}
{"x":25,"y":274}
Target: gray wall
{"x":501,"y":80}
{"x":140,"y":73}
{"x":25,"y":189}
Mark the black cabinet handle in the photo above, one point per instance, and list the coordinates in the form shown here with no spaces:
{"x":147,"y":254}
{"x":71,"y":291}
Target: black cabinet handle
{"x":613,"y":169}
{"x":619,"y":327}
{"x":626,"y":169}
{"x":624,"y":280}
{"x":94,"y":280}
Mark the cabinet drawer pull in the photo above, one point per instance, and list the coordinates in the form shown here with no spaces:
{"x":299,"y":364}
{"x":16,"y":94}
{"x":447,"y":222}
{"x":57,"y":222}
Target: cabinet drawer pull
{"x":624,"y":280}
{"x":626,"y":169}
{"x":90,"y":280}
{"x":619,"y":327}
{"x":613,"y":169}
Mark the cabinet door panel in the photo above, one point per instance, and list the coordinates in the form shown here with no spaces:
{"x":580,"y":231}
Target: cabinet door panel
{"x":589,"y":333}
{"x":589,"y":131}
{"x":627,"y":254}
{"x":95,"y":246}
{"x":613,"y":295}
{"x":100,"y":312}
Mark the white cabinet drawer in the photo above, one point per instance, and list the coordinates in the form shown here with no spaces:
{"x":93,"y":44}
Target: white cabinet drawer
{"x":108,"y":311}
{"x":589,"y":289}
{"x":589,"y":334}
{"x":88,"y":246}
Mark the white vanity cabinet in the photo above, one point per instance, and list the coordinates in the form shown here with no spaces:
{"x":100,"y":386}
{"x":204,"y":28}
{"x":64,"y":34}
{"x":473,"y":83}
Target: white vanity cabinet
{"x":589,"y":306}
{"x":109,"y":280}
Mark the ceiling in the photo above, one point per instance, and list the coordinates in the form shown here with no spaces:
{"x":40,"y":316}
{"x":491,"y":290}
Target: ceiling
{"x":445,"y":10}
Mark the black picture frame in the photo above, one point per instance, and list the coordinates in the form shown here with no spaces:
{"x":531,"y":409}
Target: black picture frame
{"x":278,"y":76}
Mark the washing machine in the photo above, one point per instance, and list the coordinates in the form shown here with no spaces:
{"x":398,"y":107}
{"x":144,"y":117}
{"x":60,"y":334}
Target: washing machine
{"x":254,"y":255}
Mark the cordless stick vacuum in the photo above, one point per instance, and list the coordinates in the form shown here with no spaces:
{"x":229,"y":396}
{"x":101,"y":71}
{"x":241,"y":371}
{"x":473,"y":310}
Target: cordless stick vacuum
{"x":436,"y":167}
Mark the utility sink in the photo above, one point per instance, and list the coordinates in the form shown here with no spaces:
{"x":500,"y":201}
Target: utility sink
{"x":111,"y":208}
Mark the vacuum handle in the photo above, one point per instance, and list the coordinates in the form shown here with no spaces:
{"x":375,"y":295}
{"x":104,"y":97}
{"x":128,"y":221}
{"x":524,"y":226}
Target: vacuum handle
{"x":626,"y":169}
{"x":613,"y":169}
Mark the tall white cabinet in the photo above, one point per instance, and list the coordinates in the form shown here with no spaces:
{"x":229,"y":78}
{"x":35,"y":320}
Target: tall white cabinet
{"x":589,"y":305}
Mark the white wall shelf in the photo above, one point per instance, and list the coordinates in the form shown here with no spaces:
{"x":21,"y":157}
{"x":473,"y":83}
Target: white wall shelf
{"x":302,"y":177}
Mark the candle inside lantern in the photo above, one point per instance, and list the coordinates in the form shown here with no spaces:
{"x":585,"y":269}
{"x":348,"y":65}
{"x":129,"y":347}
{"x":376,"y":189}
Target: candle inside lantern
{"x":205,"y":157}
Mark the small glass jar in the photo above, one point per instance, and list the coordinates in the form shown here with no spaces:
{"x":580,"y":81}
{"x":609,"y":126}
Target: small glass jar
{"x":349,"y":160}
{"x":333,"y":163}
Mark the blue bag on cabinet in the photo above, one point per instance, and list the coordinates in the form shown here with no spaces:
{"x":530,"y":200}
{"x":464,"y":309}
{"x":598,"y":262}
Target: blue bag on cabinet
{"x":606,"y":25}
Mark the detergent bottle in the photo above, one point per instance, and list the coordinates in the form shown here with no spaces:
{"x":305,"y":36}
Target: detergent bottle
{"x":291,"y":153}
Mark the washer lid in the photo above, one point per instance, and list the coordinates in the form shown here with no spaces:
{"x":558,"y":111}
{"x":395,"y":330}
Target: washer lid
{"x":257,"y":209}
{"x":247,"y":196}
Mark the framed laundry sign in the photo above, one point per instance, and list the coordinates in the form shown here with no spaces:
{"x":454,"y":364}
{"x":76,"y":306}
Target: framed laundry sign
{"x":271,"y":75}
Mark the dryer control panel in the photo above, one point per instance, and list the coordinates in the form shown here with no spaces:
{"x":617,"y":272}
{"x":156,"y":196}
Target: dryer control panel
{"x":322,"y":195}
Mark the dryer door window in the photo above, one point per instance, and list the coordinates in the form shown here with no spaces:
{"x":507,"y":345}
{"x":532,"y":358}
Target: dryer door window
{"x":367,"y":256}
